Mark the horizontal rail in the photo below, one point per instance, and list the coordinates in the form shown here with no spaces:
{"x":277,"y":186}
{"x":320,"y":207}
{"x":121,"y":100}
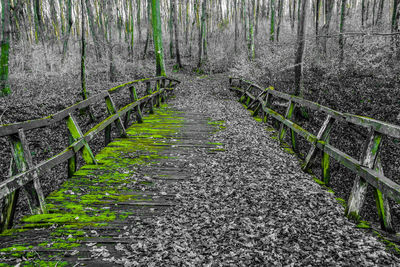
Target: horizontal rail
{"x":8,"y":129}
{"x":379,"y":126}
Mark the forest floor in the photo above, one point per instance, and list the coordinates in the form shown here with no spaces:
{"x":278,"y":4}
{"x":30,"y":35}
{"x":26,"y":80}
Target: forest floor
{"x":249,"y":204}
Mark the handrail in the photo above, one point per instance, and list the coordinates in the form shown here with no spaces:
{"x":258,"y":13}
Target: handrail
{"x":368,"y":169}
{"x":27,"y":175}
{"x":8,"y":129}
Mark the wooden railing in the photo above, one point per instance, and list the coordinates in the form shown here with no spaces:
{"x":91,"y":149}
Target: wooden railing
{"x":25,"y":175}
{"x":368,"y":169}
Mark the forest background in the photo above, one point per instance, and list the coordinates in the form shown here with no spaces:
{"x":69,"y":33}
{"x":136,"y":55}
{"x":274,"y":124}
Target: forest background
{"x":343,"y":54}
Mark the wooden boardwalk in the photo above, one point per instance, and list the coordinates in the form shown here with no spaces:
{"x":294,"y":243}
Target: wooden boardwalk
{"x":89,"y":212}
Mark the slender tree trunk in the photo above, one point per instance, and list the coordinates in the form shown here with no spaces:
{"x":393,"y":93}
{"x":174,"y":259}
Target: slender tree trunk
{"x":5,"y":47}
{"x":187,"y":18}
{"x":325,"y":29}
{"x":157,"y":37}
{"x":363,"y":13}
{"x":280,"y":15}
{"x":93,"y":30}
{"x":272,"y":21}
{"x":236,"y":25}
{"x":374,"y":12}
{"x":341,"y":28}
{"x":252,"y":9}
{"x":83,"y":52}
{"x":109,"y":22}
{"x":171,"y":29}
{"x":138,"y":18}
{"x":298,"y":69}
{"x":380,"y":12}
{"x":317,"y":10}
{"x":202,"y":37}
{"x":40,"y":31}
{"x":395,"y":27}
{"x":176,"y":27}
{"x":68,"y":30}
{"x":149,"y":29}
{"x":257,"y":18}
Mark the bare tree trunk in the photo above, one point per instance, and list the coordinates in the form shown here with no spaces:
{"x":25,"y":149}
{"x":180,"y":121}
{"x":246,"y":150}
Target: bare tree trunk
{"x":93,"y":30}
{"x":68,"y":30}
{"x":5,"y":48}
{"x":149,"y":29}
{"x":109,"y":23}
{"x":272,"y":21}
{"x":236,"y":26}
{"x":202,"y":33}
{"x":157,"y":37}
{"x":341,"y":28}
{"x":280,"y":15}
{"x":171,"y":29}
{"x":176,"y":26}
{"x":298,"y":65}
{"x":325,"y":29}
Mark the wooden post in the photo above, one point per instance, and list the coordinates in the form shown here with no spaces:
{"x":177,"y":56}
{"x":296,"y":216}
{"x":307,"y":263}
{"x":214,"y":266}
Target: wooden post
{"x":368,"y":159}
{"x":133,"y":96}
{"x":113,"y":110}
{"x":33,"y":188}
{"x":288,"y":115}
{"x":268,"y":102}
{"x":77,"y":134}
{"x":149,"y":91}
{"x":72,"y":160}
{"x":382,"y":204}
{"x":323,"y":135}
{"x":325,"y":164}
{"x":157,"y":98}
{"x":21,"y":161}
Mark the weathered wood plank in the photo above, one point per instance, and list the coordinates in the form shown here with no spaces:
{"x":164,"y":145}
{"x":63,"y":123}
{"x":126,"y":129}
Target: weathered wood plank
{"x":382,"y":204}
{"x":113,"y":110}
{"x":34,"y":189}
{"x":368,"y":157}
{"x":322,"y":135}
{"x":288,"y":115}
{"x":77,"y":134}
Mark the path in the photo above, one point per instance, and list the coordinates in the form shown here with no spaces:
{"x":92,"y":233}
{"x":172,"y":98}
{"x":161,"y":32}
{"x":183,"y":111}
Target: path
{"x":209,"y":198}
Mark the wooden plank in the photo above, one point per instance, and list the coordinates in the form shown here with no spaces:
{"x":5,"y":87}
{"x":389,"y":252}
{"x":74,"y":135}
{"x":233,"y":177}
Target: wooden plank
{"x":71,"y":161}
{"x":77,"y":134}
{"x":34,"y":190}
{"x":288,"y":115}
{"x":322,"y":135}
{"x":119,"y":87}
{"x":382,"y":204}
{"x":368,"y":157}
{"x":149,"y":92}
{"x":113,"y":110}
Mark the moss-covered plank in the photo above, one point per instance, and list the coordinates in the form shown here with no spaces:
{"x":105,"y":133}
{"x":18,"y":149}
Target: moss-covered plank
{"x":322,"y":135}
{"x":76,"y":133}
{"x":368,"y":157}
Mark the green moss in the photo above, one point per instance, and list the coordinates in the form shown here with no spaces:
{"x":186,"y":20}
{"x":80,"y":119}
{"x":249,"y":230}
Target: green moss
{"x":341,"y":201}
{"x":389,"y":245}
{"x":363,"y":224}
{"x":16,"y":248}
{"x":318,"y":181}
{"x":43,"y":263}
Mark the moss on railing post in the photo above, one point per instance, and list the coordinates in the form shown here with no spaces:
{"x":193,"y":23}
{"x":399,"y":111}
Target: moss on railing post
{"x":77,"y":134}
{"x":133,"y":96}
{"x":72,"y":160}
{"x":368,"y":158}
{"x":382,"y":204}
{"x":111,"y":108}
{"x":288,"y":115}
{"x":149,"y":92}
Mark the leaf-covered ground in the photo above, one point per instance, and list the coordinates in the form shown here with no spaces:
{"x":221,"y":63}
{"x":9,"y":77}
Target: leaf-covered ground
{"x":249,"y":205}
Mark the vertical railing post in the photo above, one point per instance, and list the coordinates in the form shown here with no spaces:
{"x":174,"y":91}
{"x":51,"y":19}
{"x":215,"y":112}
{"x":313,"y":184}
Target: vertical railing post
{"x":21,"y":161}
{"x":288,"y":116}
{"x":368,"y":159}
{"x":72,"y":160}
{"x":150,"y":101}
{"x":77,"y":134}
{"x":112,"y":110}
{"x":133,"y":97}
{"x":323,"y":135}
